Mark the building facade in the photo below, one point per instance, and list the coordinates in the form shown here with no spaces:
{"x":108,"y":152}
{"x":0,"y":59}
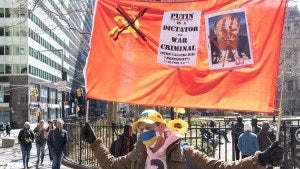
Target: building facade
{"x":43,"y":48}
{"x":288,"y":86}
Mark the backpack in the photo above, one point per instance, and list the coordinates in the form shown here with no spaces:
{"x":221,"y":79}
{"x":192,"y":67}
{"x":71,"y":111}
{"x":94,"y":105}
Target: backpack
{"x":112,"y":148}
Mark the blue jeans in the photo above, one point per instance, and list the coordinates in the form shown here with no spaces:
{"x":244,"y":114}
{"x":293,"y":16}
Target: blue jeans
{"x":25,"y":153}
{"x":40,"y":150}
{"x":56,"y":158}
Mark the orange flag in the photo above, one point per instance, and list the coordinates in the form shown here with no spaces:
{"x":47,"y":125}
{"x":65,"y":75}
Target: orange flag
{"x":220,"y":54}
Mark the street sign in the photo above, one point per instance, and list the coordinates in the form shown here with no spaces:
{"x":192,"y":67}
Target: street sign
{"x":62,"y":86}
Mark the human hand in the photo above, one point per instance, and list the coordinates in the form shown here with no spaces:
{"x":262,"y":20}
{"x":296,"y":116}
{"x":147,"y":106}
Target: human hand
{"x":87,"y":133}
{"x":273,"y":155}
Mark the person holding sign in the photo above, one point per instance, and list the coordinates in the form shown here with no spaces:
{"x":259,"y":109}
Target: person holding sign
{"x":159,"y":146}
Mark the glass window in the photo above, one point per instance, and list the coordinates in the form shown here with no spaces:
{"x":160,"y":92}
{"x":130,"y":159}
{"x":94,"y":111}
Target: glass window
{"x":1,"y":68}
{"x":16,"y":30}
{"x":7,"y":12}
{"x":23,"y":69}
{"x":23,"y":31}
{"x":23,"y":12}
{"x":44,"y":92}
{"x":1,"y":12}
{"x":16,"y":69}
{"x":4,"y":86}
{"x":14,"y":12}
{"x":16,"y":50}
{"x":8,"y":50}
{"x":291,"y":105}
{"x":8,"y":31}
{"x":23,"y":50}
{"x":290,"y":85}
{"x":1,"y":31}
{"x":52,"y":94}
{"x":1,"y":50}
{"x":8,"y":69}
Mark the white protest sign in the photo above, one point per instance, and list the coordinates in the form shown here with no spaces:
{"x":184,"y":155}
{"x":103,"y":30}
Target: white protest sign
{"x":179,"y":36}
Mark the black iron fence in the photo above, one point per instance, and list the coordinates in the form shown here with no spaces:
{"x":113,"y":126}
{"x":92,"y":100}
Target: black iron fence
{"x":78,"y":151}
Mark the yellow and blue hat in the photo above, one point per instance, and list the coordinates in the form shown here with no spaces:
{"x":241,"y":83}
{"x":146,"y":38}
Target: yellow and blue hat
{"x":149,"y":116}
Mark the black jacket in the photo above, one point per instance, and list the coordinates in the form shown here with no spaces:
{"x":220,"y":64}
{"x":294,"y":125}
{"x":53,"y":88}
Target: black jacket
{"x":26,"y":137}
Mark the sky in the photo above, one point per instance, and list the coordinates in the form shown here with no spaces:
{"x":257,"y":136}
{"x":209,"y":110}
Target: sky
{"x":294,"y":3}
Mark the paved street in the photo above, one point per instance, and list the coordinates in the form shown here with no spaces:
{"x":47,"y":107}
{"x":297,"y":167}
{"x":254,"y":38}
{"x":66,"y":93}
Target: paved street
{"x":11,"y":158}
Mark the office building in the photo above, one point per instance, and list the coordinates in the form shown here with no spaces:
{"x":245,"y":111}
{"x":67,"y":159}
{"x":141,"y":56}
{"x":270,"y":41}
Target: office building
{"x":288,"y":90}
{"x":39,"y":41}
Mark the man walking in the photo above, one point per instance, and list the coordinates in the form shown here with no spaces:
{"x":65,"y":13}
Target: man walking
{"x":57,"y":142}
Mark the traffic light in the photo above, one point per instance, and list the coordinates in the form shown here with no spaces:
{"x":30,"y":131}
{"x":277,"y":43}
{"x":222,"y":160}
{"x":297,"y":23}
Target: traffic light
{"x":34,"y":93}
{"x":79,"y":92}
{"x":64,"y":75}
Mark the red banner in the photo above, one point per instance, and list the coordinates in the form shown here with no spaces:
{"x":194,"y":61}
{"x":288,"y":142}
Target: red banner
{"x":220,"y":54}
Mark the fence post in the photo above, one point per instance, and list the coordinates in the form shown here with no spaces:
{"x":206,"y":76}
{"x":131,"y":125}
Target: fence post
{"x":80,"y":145}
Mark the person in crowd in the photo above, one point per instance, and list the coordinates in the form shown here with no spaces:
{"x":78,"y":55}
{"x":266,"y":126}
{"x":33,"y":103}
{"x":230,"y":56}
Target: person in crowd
{"x":160,"y":147}
{"x":237,"y":130}
{"x":125,"y":142}
{"x":57,"y":142}
{"x":220,"y":132}
{"x":266,"y":136}
{"x":248,"y":142}
{"x":26,"y":137}
{"x":130,"y":122}
{"x":50,"y":127}
{"x":40,"y":140}
{"x":7,"y":129}
{"x":207,"y":135}
{"x":255,"y":127}
{"x":2,"y":129}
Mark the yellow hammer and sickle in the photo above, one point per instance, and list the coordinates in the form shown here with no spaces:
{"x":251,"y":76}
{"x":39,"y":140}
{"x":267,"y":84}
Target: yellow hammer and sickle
{"x":129,"y":29}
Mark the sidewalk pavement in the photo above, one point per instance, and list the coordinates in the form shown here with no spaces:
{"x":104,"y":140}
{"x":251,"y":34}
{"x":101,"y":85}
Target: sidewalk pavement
{"x":12,"y":158}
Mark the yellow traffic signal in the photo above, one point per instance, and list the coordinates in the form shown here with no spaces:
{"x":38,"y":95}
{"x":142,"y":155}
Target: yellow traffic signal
{"x":79,"y":92}
{"x":34,"y":93}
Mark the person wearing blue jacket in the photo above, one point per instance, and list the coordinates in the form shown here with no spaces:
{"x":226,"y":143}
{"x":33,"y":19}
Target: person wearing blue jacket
{"x":248,"y":142}
{"x":57,"y":142}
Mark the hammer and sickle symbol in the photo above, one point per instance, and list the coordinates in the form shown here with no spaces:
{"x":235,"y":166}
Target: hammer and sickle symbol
{"x":129,"y":25}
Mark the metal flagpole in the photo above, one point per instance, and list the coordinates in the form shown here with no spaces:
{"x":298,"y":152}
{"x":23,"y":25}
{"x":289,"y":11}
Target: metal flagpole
{"x":87,"y":111}
{"x":282,"y":79}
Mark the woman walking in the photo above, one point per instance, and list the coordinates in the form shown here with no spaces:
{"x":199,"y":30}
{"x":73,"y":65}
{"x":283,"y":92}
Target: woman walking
{"x":40,"y":140}
{"x":49,"y":128}
{"x":26,"y":137}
